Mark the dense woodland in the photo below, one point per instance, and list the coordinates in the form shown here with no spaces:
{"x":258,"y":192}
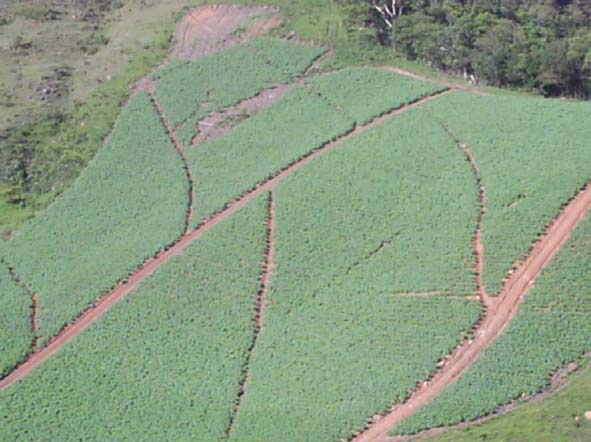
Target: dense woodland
{"x":539,"y":45}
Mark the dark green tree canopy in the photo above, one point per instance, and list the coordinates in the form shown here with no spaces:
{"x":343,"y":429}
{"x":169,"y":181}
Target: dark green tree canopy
{"x":539,"y":45}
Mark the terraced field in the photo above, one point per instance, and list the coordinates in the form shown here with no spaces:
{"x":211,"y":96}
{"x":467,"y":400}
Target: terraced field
{"x":357,"y":246}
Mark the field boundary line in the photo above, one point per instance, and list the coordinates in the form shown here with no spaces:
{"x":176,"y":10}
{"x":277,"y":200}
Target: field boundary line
{"x":259,"y":311}
{"x":34,"y":315}
{"x":495,"y":320}
{"x":487,"y":301}
{"x":181,"y":150}
{"x":150,"y":265}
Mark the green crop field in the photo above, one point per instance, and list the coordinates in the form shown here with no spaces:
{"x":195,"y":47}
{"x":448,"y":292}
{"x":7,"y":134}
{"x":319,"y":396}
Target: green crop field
{"x":130,"y":202}
{"x":342,"y":338}
{"x":165,"y":364}
{"x":306,"y":264}
{"x":289,"y":58}
{"x":529,"y":167}
{"x":558,"y":418}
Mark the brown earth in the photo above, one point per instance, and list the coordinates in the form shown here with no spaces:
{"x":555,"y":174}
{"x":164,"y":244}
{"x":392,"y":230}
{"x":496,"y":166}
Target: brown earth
{"x":496,"y":319}
{"x":34,"y":319}
{"x":487,"y":301}
{"x":211,"y":28}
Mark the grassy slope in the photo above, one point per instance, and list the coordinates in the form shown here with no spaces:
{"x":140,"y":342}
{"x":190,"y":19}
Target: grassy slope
{"x":66,"y":133}
{"x":552,"y":420}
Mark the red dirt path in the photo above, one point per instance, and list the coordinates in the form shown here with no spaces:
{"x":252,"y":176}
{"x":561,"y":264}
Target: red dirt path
{"x":103,"y":304}
{"x":496,"y":319}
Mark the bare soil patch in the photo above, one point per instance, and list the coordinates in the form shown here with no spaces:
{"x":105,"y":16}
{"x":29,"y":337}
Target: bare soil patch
{"x":221,"y":123}
{"x":210,"y":28}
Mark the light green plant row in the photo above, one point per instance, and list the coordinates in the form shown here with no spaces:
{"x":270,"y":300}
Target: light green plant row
{"x":189,"y":90}
{"x":16,"y":333}
{"x":533,"y":155}
{"x":163,"y":364}
{"x":226,"y":167}
{"x":291,"y":59}
{"x":127,"y":204}
{"x":551,"y":329}
{"x":367,"y":92}
{"x":354,"y":229}
{"x":557,"y":418}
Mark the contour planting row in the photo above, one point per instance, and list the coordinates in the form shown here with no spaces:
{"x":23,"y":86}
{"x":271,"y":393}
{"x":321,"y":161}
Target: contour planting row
{"x":190,"y":90}
{"x":163,"y":364}
{"x":302,"y":121}
{"x":130,"y":202}
{"x":528,"y":164}
{"x":16,"y":331}
{"x":551,"y":329}
{"x":356,"y":230}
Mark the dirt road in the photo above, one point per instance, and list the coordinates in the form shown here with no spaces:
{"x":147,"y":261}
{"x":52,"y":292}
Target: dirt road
{"x":496,"y":319}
